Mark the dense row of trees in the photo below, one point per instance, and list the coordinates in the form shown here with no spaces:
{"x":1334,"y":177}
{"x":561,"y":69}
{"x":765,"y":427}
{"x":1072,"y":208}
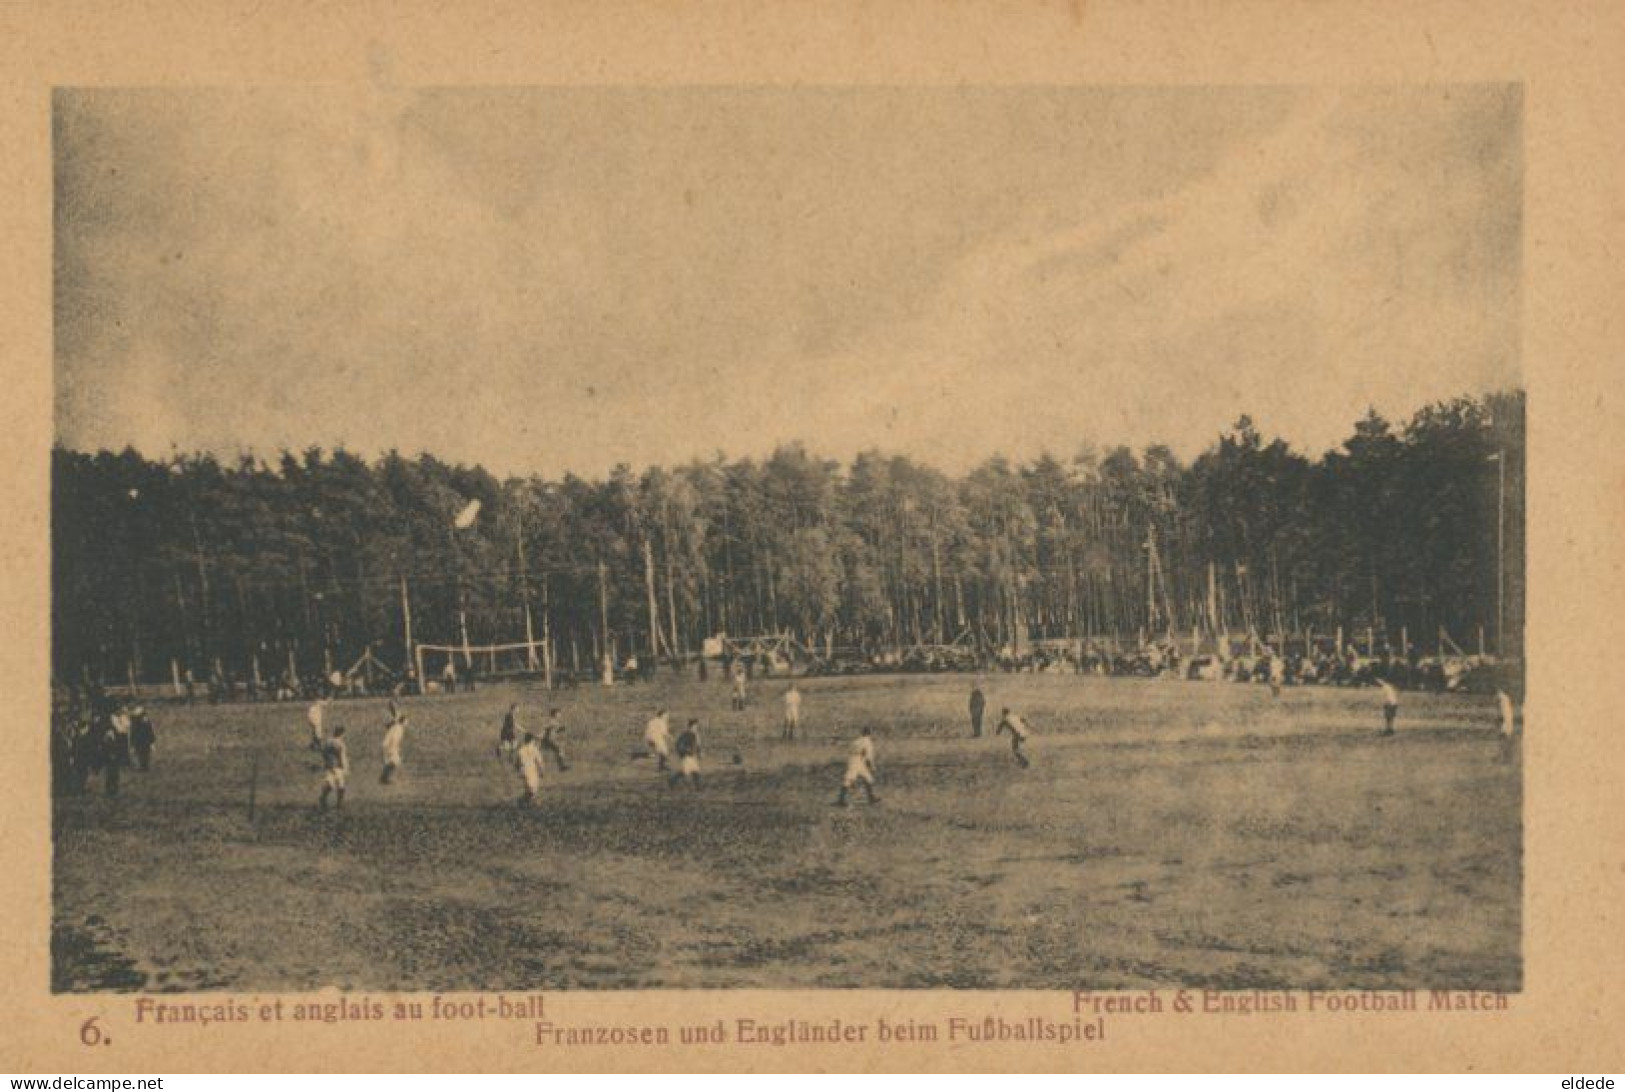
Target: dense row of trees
{"x":317,"y":554}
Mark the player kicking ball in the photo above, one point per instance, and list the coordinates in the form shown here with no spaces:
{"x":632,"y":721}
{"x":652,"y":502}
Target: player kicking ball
{"x":860,"y":768}
{"x":336,"y":766}
{"x":688,"y":756}
{"x":1019,"y":732}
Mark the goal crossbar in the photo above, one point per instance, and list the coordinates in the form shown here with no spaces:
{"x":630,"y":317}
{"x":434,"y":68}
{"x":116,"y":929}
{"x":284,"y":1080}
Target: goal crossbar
{"x":476,"y":650}
{"x":534,"y":653}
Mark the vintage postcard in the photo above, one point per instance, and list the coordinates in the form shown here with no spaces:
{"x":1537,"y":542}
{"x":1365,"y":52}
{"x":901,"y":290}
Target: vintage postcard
{"x":845,"y":551}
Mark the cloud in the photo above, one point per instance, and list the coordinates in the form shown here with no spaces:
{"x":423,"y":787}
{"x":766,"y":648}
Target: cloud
{"x":550,"y":279}
{"x":1361,"y":253}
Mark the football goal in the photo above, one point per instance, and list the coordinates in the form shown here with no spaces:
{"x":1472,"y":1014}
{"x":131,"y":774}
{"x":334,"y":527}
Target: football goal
{"x":442,"y":667}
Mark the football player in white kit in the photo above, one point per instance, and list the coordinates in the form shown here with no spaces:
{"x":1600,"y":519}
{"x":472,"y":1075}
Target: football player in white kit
{"x":860,"y":767}
{"x":657,"y":738}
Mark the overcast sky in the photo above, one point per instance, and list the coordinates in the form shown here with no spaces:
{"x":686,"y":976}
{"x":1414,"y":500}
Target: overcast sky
{"x":544,"y":279}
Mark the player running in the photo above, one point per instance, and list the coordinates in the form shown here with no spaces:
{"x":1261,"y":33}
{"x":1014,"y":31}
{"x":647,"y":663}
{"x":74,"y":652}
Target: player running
{"x":688,"y":755}
{"x":528,"y":758}
{"x":1012,"y":723}
{"x":336,"y":766}
{"x":657,"y":738}
{"x":553,"y":739}
{"x":508,"y":737}
{"x":860,"y":768}
{"x":394,"y":736}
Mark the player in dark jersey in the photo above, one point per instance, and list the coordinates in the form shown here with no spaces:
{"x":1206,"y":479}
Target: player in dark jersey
{"x":508,"y":738}
{"x":978,"y":702}
{"x":688,"y":755}
{"x":553,"y":739}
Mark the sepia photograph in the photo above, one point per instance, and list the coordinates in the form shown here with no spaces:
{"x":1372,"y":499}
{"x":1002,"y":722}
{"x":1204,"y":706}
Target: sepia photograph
{"x":787,"y":537}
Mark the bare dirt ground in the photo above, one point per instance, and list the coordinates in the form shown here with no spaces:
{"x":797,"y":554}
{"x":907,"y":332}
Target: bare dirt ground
{"x":1168,"y":833}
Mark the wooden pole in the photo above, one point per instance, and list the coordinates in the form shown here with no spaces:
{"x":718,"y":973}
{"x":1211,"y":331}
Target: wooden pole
{"x":547,"y":637}
{"x":530,"y":640}
{"x":205,"y":643}
{"x":524,"y":594}
{"x":1150,"y":578}
{"x":1500,"y":554}
{"x":462,"y":623}
{"x":654,"y":608}
{"x":1213,"y":599}
{"x":603,"y":603}
{"x":406,"y":625}
{"x":936,"y":572}
{"x":671,"y":602}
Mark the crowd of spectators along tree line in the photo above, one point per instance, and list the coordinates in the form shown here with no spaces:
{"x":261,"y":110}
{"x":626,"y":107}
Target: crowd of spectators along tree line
{"x":277,"y":574}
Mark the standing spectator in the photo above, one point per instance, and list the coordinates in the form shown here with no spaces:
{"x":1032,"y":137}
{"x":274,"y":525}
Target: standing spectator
{"x":87,"y":756}
{"x":115,"y":750}
{"x":142,"y":738}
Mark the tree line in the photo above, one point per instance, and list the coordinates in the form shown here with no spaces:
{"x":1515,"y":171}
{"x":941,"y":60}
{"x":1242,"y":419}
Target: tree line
{"x":310,"y":559}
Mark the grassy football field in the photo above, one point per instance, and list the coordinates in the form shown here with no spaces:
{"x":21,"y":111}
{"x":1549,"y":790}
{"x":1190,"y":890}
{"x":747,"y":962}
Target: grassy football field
{"x":1168,"y":833}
